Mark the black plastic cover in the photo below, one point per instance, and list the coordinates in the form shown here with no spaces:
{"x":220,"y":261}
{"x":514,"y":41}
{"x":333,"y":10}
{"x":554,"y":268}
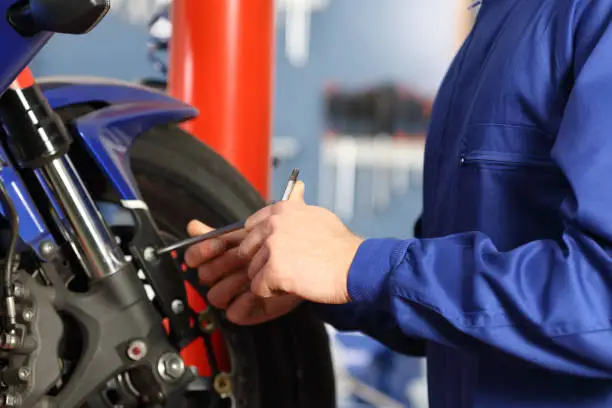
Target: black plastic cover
{"x":30,"y":17}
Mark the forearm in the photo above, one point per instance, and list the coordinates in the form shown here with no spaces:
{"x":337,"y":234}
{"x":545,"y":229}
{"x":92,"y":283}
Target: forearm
{"x":541,"y":303}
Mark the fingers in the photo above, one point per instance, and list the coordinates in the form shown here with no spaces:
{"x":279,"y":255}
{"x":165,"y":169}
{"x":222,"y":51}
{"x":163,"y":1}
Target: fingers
{"x":203,"y":252}
{"x":196,"y":227}
{"x":214,"y":270}
{"x":224,"y":292}
{"x":259,"y":286}
{"x":254,"y":240}
{"x":259,"y":216}
{"x":245,"y":309}
{"x":258,"y":261}
{"x":298,"y":191}
{"x":296,"y":198}
{"x":207,"y":250}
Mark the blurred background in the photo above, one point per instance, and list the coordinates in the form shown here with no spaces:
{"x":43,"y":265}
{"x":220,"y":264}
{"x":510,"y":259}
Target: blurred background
{"x":354,"y":82}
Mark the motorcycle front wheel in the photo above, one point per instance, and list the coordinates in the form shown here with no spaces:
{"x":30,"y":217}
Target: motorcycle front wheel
{"x":285,"y":363}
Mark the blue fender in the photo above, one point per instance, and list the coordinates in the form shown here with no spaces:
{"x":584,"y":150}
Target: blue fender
{"x":108,"y":133}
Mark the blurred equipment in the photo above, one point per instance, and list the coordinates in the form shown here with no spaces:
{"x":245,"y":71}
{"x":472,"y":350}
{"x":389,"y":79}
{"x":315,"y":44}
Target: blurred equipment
{"x":385,"y":109}
{"x":137,"y":11}
{"x":297,"y":27}
{"x":379,"y":129}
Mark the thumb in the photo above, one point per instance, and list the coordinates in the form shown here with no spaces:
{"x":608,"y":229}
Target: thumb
{"x":298,"y":191}
{"x":196,"y":227}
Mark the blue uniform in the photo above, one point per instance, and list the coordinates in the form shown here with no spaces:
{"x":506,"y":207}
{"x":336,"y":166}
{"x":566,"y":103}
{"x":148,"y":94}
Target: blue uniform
{"x":511,"y":284}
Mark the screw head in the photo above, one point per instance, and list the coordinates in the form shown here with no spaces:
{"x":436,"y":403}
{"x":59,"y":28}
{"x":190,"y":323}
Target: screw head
{"x":12,"y":400}
{"x":28,"y":315}
{"x":223,"y":385}
{"x":46,"y":248}
{"x":177,"y":306}
{"x":206,"y":321}
{"x":24,"y":373}
{"x":137,"y":350}
{"x":149,"y":254}
{"x":20,"y":290}
{"x":9,"y":341}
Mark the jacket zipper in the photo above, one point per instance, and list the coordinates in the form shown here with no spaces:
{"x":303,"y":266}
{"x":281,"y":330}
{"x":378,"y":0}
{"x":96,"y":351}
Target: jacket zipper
{"x":450,"y":107}
{"x":502,"y":160}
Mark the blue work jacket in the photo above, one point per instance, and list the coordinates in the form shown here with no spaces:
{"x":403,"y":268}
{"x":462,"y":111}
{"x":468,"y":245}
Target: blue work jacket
{"x":511,"y":284}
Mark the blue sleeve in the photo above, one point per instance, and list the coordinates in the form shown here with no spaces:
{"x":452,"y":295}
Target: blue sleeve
{"x":546,"y":302}
{"x":378,"y":324}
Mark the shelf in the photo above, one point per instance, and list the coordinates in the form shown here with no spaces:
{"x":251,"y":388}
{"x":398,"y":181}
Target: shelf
{"x":379,"y":152}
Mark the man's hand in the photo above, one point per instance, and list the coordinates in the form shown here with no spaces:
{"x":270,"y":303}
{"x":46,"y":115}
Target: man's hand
{"x":220,"y":268}
{"x":298,"y":249}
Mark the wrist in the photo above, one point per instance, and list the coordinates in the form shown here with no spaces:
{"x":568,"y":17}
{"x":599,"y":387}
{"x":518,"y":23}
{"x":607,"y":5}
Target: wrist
{"x":353,"y":243}
{"x":372,"y":265}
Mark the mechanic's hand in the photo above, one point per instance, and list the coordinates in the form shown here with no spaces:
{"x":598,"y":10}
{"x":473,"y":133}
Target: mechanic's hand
{"x":299,"y":249}
{"x":220,"y":268}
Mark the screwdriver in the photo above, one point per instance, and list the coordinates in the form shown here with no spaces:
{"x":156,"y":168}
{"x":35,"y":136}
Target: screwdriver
{"x":228,"y":228}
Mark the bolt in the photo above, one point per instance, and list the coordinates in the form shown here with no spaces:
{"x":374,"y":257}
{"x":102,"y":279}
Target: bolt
{"x":28,"y":315}
{"x":137,"y":350}
{"x":46,"y":248}
{"x":205,"y":319}
{"x":149,"y":254}
{"x":223,"y":385}
{"x":24,"y":373}
{"x":171,"y":367}
{"x":20,"y":291}
{"x":177,"y":306}
{"x":12,"y":400}
{"x":9,"y":341}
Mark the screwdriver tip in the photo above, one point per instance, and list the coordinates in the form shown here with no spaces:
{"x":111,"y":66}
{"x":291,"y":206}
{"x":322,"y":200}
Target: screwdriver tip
{"x":294,"y":174}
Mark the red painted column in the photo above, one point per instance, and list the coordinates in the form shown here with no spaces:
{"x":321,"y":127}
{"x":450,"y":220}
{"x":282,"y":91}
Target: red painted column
{"x":221,"y":62}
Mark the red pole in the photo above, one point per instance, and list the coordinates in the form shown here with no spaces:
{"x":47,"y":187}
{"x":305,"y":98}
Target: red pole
{"x":220,"y":61}
{"x":221,"y":57}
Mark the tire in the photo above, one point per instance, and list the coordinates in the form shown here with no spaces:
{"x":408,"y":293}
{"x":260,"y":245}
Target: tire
{"x":285,"y":363}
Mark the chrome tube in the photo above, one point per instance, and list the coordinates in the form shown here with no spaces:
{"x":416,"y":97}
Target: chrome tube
{"x":96,"y":246}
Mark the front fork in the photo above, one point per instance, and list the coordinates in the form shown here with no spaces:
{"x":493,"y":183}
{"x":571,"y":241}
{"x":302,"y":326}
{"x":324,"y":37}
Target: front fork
{"x":39,"y":141}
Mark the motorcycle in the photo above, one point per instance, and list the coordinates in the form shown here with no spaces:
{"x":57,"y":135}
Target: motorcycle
{"x":94,"y":176}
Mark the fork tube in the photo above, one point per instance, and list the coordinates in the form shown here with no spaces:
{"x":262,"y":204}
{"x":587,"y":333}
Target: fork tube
{"x":99,"y":252}
{"x":38,"y":139}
